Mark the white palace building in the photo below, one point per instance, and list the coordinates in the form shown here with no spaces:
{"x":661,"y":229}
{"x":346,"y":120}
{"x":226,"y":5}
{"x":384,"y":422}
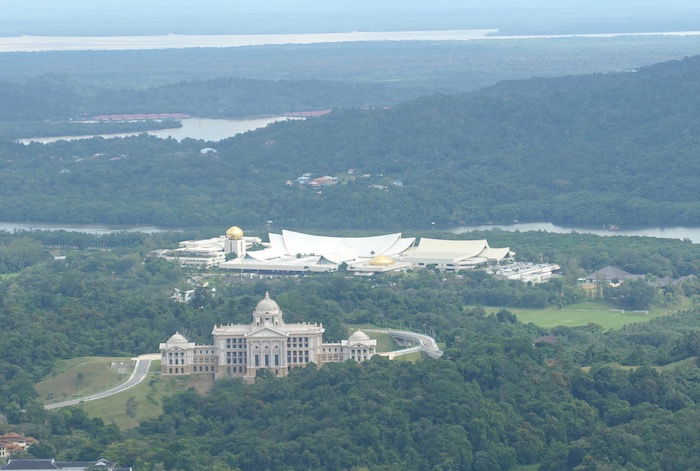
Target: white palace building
{"x":239,"y":351}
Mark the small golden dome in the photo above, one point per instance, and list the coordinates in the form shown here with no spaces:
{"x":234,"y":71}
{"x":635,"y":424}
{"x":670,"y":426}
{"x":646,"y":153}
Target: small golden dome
{"x":234,"y":233}
{"x":382,"y":261}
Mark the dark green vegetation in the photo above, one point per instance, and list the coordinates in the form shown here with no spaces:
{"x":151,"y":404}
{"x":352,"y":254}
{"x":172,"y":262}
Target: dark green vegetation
{"x":445,"y":66}
{"x":51,"y":97}
{"x":14,"y":130}
{"x":279,"y":79}
{"x":492,"y":402}
{"x":614,"y":148}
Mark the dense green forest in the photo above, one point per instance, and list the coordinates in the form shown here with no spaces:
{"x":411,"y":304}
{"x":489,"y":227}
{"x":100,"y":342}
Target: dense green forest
{"x":597,"y":149}
{"x":493,"y":401}
{"x":52,"y":97}
{"x":450,"y":66}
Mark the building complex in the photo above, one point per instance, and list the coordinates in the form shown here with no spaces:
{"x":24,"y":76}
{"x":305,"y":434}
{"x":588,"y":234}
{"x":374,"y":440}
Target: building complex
{"x":290,"y":252}
{"x":267,"y":343}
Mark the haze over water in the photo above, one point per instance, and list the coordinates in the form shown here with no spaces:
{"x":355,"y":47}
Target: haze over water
{"x":182,"y":41}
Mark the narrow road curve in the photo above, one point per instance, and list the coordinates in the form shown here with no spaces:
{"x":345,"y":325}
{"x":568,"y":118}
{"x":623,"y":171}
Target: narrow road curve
{"x":423,"y":342}
{"x":143,"y":364}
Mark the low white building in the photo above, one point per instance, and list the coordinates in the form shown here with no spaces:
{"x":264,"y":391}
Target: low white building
{"x":240,"y":350}
{"x":453,"y":255}
{"x":526,"y":272}
{"x":206,"y":253}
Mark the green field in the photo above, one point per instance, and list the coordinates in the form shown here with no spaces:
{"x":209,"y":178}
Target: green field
{"x":147,"y":396}
{"x":599,"y":313}
{"x":79,"y":377}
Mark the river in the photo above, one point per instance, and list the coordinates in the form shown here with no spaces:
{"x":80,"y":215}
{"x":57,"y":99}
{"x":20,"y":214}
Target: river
{"x":195,"y":128}
{"x":181,"y":41}
{"x":675,"y":232}
{"x":97,"y":229}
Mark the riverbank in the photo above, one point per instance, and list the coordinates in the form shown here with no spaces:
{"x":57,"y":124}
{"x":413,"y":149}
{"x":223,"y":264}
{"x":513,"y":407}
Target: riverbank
{"x":672,"y":232}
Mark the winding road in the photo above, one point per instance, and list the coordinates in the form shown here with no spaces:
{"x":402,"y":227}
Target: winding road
{"x":423,"y":343}
{"x":143,"y":364}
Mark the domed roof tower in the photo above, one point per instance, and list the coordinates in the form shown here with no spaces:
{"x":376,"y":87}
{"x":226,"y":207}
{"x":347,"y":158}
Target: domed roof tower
{"x":359,"y":335}
{"x":177,"y":338}
{"x":234,"y":233}
{"x":267,"y":311}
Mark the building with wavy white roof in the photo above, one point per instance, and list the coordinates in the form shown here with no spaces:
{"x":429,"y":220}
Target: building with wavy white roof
{"x":289,"y":252}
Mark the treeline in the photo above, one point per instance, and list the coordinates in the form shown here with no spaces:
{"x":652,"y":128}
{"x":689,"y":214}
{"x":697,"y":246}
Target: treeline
{"x":432,"y":65}
{"x":55,"y":98}
{"x":17,"y":130}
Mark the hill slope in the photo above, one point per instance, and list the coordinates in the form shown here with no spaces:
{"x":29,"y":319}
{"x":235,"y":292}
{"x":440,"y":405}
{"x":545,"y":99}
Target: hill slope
{"x":597,"y":149}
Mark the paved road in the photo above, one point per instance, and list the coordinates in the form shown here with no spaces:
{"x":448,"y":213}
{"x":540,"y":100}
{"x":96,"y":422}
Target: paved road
{"x":423,"y":342}
{"x":143,"y":363}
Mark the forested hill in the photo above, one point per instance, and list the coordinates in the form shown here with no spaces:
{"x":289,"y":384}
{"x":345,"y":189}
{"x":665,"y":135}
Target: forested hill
{"x":57,"y":97}
{"x":597,"y":149}
{"x":604,"y":148}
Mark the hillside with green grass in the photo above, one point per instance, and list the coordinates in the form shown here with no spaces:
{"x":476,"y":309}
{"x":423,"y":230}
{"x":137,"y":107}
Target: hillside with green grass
{"x":82,"y":376}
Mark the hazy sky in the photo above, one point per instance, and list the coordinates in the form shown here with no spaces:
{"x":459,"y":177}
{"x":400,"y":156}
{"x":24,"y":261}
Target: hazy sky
{"x":114,"y":17}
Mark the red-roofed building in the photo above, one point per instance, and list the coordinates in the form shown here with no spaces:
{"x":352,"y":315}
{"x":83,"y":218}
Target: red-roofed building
{"x":14,"y":442}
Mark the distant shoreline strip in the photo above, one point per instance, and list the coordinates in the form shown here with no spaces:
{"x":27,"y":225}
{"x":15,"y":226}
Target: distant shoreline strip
{"x":184,"y":41}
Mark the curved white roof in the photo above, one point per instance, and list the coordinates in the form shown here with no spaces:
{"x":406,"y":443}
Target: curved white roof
{"x":457,"y":248}
{"x":265,"y":254}
{"x":277,"y":243}
{"x":399,"y":246}
{"x":308,"y":244}
{"x":496,"y":254}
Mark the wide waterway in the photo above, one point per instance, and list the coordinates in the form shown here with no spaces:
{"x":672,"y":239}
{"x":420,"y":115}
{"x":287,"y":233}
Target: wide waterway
{"x":676,"y":232}
{"x":181,"y":41}
{"x":97,"y":229}
{"x":195,"y":128}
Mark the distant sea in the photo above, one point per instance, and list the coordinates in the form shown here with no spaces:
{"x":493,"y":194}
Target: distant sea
{"x":182,"y":41}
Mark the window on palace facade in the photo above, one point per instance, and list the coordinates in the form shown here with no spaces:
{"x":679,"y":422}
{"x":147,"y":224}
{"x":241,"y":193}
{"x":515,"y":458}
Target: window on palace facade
{"x":257,"y":360}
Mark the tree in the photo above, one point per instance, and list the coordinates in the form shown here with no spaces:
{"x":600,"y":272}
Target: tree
{"x":131,"y":407}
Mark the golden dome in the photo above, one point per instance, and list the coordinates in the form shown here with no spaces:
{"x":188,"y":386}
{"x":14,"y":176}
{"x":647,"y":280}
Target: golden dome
{"x":234,"y":233}
{"x":381,"y":261}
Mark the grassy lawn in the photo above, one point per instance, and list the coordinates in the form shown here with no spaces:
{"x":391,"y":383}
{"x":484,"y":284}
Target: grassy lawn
{"x":147,"y":396}
{"x":81,"y":376}
{"x":583,"y":314}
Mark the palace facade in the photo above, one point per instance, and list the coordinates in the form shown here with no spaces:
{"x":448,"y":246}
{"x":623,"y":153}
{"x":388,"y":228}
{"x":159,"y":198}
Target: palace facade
{"x":240,"y":350}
